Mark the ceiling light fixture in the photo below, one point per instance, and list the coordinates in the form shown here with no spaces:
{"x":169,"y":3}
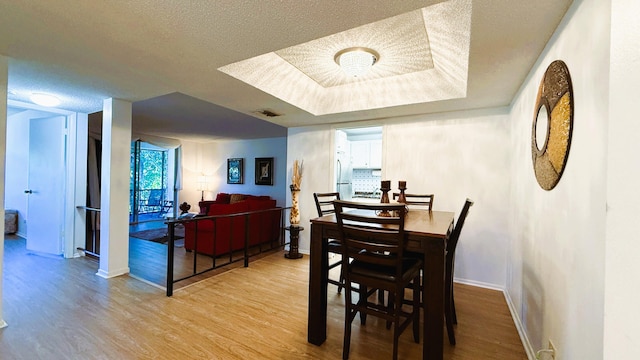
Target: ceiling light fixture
{"x":356,"y":61}
{"x":45,"y":99}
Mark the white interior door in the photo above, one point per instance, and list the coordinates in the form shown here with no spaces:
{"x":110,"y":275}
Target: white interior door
{"x":45,"y":216}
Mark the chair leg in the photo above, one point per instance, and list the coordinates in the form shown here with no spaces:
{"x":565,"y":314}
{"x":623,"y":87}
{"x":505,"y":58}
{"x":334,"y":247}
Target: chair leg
{"x":448,"y":315}
{"x":397,"y":304}
{"x":450,"y":333}
{"x":390,"y":301}
{"x":453,"y":307}
{"x":381,"y":297}
{"x":347,"y":325}
{"x":363,"y":300}
{"x":347,"y":340}
{"x":341,"y":281}
{"x":416,"y":309}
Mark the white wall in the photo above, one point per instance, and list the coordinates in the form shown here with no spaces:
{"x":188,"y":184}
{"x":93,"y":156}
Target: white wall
{"x":557,"y":261}
{"x":210,"y":159}
{"x":455,"y":156}
{"x":314,"y":146}
{"x":622,"y":328}
{"x":17,"y":175}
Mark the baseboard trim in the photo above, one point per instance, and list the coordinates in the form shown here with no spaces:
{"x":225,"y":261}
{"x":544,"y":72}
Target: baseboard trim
{"x":163,"y":288}
{"x":516,"y":320}
{"x":109,"y":275}
{"x":479,"y":284}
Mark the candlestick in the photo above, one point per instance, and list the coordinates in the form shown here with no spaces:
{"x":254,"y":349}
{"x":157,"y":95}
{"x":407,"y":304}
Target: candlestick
{"x":385,"y":186}
{"x":402,"y":186}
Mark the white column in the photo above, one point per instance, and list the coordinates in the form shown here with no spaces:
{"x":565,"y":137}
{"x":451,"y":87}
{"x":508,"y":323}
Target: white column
{"x":114,"y":196}
{"x":4,"y":81}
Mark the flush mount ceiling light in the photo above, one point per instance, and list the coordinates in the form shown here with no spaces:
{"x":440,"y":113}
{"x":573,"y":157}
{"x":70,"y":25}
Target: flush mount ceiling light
{"x":356,"y":61}
{"x":45,"y":99}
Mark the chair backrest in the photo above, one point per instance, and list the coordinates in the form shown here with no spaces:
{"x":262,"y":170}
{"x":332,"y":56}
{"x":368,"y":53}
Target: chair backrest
{"x":369,"y":237}
{"x":324,"y":202}
{"x":424,"y":201}
{"x":455,"y":236}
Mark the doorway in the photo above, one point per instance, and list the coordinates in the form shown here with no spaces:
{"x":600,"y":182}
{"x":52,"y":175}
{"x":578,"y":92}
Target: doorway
{"x":37,"y":177}
{"x":358,"y":163}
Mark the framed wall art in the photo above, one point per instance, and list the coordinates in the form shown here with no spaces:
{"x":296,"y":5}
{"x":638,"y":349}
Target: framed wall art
{"x":235,"y":171}
{"x":264,"y":171}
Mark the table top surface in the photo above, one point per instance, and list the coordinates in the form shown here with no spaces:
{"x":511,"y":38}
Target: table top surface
{"x":424,"y":222}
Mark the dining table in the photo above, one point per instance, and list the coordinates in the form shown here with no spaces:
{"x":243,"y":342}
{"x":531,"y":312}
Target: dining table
{"x":426,"y":233}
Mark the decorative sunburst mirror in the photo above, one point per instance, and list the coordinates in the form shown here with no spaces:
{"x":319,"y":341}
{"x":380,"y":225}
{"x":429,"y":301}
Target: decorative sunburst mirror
{"x":552,"y":125}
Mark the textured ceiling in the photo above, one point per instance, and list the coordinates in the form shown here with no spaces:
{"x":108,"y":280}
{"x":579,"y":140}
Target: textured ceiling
{"x":85,"y":51}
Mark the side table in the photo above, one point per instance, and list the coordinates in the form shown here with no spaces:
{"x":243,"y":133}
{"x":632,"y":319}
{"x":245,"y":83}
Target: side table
{"x":294,"y":236}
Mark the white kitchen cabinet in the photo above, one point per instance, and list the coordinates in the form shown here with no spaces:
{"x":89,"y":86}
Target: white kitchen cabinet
{"x":375,"y":154}
{"x":366,"y":154}
{"x":359,"y":154}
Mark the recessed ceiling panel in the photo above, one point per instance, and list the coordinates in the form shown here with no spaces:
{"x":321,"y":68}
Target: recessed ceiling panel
{"x":401,"y":43}
{"x":424,"y":57}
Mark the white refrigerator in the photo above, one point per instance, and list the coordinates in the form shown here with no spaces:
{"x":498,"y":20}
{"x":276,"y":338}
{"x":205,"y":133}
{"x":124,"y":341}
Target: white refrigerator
{"x":343,"y":170}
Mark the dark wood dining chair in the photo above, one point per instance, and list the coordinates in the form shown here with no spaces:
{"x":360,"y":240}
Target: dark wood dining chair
{"x":324,"y":205}
{"x":424,"y":201}
{"x":452,"y":243}
{"x":376,"y":245}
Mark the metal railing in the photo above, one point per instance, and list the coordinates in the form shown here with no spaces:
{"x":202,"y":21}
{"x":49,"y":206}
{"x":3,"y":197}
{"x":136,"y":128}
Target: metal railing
{"x":225,"y":259}
{"x":92,"y":233}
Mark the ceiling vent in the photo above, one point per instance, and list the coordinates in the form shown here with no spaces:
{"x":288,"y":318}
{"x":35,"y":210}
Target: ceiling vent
{"x":267,"y":113}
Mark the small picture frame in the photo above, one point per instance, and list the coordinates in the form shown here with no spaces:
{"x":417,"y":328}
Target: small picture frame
{"x":235,"y":171}
{"x":264,"y":171}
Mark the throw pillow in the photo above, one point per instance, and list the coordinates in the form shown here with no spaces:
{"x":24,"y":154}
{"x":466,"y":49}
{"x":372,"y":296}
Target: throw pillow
{"x":223,"y":198}
{"x":236,"y":198}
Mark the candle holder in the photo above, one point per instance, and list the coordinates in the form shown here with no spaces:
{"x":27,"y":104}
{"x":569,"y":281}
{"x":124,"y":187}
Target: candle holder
{"x":402,"y":186}
{"x":385,"y":186}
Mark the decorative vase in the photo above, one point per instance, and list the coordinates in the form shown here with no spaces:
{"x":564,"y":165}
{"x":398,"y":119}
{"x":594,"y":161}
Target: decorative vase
{"x":294,"y":215}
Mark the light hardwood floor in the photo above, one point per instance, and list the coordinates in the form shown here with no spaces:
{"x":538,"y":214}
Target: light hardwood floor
{"x":59,"y":309}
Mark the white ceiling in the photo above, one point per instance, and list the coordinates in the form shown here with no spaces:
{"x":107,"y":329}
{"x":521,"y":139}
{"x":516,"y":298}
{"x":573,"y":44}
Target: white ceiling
{"x":164,"y":56}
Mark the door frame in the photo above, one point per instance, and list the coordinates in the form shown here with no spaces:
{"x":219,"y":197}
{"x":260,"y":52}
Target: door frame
{"x":75,"y":159}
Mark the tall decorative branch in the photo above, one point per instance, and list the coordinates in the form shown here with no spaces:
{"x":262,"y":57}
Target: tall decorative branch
{"x":296,"y":179}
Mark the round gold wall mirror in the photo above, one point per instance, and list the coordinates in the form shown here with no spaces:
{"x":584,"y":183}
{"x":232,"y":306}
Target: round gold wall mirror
{"x":552,"y":125}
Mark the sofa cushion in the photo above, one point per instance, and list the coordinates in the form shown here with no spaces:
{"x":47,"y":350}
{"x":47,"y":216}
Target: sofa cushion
{"x":256,"y":204}
{"x":223,"y":209}
{"x":223,"y":198}
{"x":257,"y":197}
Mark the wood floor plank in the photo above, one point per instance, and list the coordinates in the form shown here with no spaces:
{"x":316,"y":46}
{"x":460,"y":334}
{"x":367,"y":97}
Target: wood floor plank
{"x":59,"y":309}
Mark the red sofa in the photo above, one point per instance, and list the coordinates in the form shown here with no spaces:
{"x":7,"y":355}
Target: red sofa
{"x":216,"y":236}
